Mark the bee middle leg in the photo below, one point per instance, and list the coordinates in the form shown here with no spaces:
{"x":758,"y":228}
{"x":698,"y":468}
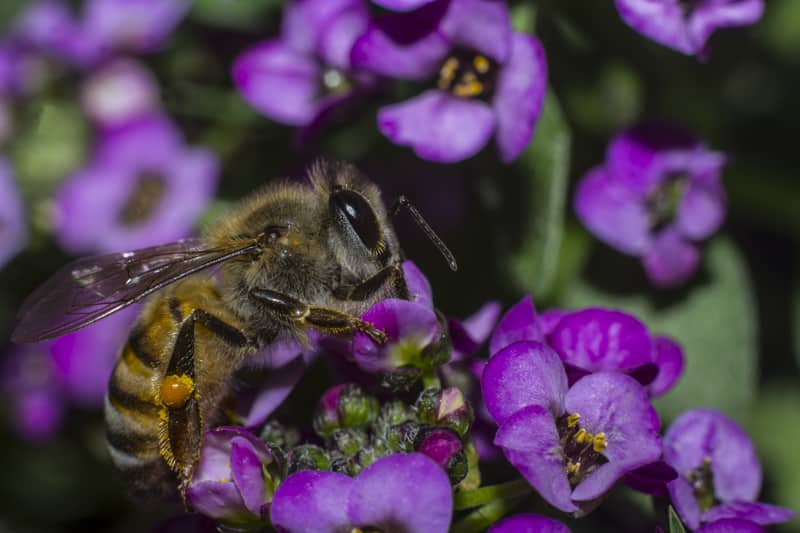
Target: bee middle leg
{"x":391,"y":274}
{"x":322,"y":318}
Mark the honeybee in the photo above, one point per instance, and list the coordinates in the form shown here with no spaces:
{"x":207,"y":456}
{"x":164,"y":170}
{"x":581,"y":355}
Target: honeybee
{"x":291,"y":257}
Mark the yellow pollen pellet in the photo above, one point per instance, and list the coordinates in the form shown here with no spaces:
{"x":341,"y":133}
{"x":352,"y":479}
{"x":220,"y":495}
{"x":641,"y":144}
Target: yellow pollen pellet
{"x":572,"y":420}
{"x":599,"y":443}
{"x":481,"y":64}
{"x":176,"y":390}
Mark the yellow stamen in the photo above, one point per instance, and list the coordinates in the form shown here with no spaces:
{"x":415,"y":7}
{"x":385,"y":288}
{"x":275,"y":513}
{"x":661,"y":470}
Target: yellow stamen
{"x":474,"y":88}
{"x":599,"y":443}
{"x":481,"y":64}
{"x":572,"y":420}
{"x":582,"y":436}
{"x":572,"y":468}
{"x":447,"y":73}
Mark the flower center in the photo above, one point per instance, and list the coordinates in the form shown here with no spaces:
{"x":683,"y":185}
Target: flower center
{"x":663,"y":202}
{"x":582,"y":450}
{"x":334,"y":81}
{"x":688,"y":6}
{"x":367,"y":529}
{"x":143,"y":201}
{"x":467,"y":75}
{"x":702,"y":481}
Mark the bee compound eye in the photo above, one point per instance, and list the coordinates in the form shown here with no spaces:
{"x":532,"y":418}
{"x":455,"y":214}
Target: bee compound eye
{"x":352,"y":210}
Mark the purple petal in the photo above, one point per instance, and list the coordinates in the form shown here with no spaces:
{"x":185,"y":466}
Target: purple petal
{"x":671,"y":259}
{"x":683,"y":499}
{"x":247,"y":474}
{"x":600,"y":339}
{"x":668,"y":355}
{"x":731,"y":525}
{"x":219,"y":500}
{"x":710,"y":16}
{"x":661,"y":21}
{"x":279,"y":82}
{"x":520,"y":323}
{"x":528,"y":523}
{"x":304,"y":21}
{"x":402,"y":5}
{"x":522,"y":374}
{"x":402,"y":492}
{"x":482,"y":26}
{"x":13,"y":227}
{"x":419,"y":288}
{"x":517,"y":101}
{"x":612,"y":212}
{"x":403,"y":45}
{"x":274,"y":391}
{"x":549,"y":319}
{"x":641,"y":156}
{"x":759,"y":513}
{"x":438,"y":126}
{"x":652,"y":478}
{"x":703,"y":433}
{"x":645,"y":374}
{"x":530,"y":442}
{"x":468,"y":335}
{"x":405,"y":324}
{"x":312,"y":502}
{"x":141,"y":26}
{"x":615,"y":404}
{"x":119,"y":91}
{"x":702,"y":207}
{"x":337,"y":37}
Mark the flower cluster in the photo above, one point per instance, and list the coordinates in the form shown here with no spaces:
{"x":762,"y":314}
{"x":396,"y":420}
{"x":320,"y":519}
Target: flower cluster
{"x":657,"y":195}
{"x":479,"y":84}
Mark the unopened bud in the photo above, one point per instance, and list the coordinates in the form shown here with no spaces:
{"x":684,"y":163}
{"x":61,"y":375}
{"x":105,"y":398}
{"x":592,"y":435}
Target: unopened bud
{"x":307,"y":457}
{"x":349,"y":441}
{"x":445,"y":447}
{"x":344,"y":406}
{"x":445,"y":408}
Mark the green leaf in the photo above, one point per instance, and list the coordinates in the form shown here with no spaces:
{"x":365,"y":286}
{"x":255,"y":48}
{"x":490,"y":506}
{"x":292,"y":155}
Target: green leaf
{"x":675,"y":524}
{"x":714,"y":319}
{"x":233,"y":13}
{"x":546,"y":163}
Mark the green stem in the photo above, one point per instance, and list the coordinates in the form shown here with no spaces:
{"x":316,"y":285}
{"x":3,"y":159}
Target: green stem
{"x":430,"y":380}
{"x":491,"y":493}
{"x":485,"y":516}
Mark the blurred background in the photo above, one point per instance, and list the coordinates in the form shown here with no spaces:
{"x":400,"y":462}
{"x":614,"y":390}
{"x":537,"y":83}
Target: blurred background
{"x":511,"y":227}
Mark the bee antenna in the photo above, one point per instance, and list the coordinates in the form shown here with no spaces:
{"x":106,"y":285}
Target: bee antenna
{"x":402,"y":201}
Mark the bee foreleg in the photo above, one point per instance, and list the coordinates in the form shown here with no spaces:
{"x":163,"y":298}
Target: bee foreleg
{"x":321,"y":318}
{"x":369,"y":286}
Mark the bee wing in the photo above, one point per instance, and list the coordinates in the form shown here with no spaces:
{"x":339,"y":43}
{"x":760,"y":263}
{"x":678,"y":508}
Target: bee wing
{"x":91,"y":288}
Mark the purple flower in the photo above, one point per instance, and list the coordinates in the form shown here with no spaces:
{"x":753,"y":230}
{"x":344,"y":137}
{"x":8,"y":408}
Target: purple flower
{"x":490,"y":81}
{"x":592,"y":340}
{"x":407,"y":493}
{"x":719,"y":473}
{"x":83,"y":360}
{"x":686,"y":26}
{"x":413,"y":329}
{"x":32,"y":394}
{"x":572,"y":444}
{"x":13,"y":228}
{"x":302,"y":76}
{"x":402,"y":5}
{"x":143,"y":187}
{"x":731,"y":525}
{"x":231,"y":482}
{"x":119,"y":92}
{"x":21,"y":69}
{"x":469,"y":334}
{"x":528,"y":523}
{"x":657,"y":195}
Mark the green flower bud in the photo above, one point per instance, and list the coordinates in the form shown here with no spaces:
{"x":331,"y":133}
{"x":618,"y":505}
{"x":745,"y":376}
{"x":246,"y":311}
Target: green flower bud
{"x":307,"y":457}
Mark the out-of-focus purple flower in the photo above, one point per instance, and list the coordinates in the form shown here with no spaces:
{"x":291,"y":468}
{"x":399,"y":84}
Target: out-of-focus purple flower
{"x":413,"y":328}
{"x":731,"y":525}
{"x":306,"y":73}
{"x":528,"y":523}
{"x":469,"y":334}
{"x":143,"y":187}
{"x":29,"y":387}
{"x":686,"y":26}
{"x":402,"y":5}
{"x":21,"y":69}
{"x":490,"y":81}
{"x":118,"y":92}
{"x":658,"y":194}
{"x":719,"y":473}
{"x":13,"y":228}
{"x":83,"y":360}
{"x":592,"y":340}
{"x":572,"y":444}
{"x":409,"y":493}
{"x":231,"y":482}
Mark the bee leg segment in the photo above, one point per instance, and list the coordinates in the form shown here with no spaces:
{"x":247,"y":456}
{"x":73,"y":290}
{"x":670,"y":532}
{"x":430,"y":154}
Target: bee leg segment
{"x":369,"y":286}
{"x":182,"y":421}
{"x":321,"y":318}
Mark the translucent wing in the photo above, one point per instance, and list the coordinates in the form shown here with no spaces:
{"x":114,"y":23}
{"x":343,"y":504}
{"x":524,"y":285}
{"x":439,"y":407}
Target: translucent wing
{"x":92,"y":288}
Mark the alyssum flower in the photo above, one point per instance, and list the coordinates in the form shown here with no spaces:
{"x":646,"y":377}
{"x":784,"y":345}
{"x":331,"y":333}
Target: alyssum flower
{"x":487,"y":80}
{"x":572,"y":444}
{"x":657,"y":195}
{"x":686,"y":25}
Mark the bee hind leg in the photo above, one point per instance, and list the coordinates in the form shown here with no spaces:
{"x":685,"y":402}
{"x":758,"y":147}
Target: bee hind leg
{"x":320,"y":318}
